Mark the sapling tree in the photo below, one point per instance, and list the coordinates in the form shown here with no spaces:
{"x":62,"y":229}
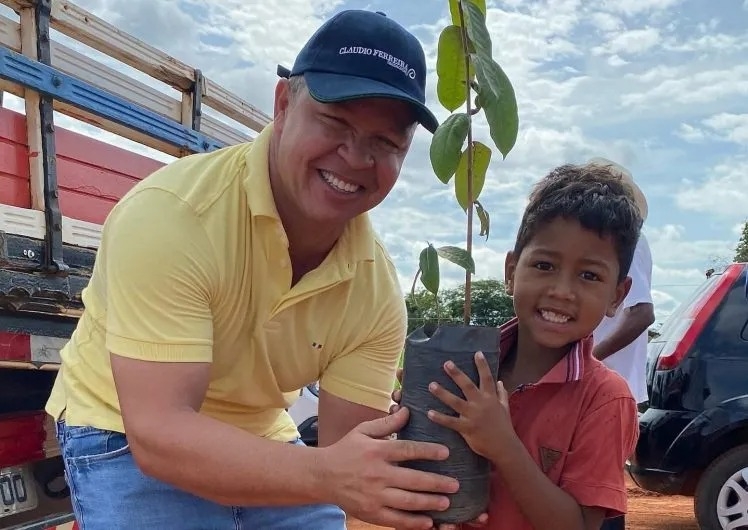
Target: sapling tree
{"x":470,"y":82}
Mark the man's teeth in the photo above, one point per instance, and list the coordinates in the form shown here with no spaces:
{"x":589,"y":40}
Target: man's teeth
{"x":556,"y":318}
{"x":338,"y":184}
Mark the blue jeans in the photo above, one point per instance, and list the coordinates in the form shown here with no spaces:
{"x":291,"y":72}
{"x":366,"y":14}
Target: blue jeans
{"x":109,"y":492}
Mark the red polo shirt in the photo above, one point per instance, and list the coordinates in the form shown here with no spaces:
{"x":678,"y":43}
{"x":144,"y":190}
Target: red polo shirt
{"x":579,"y":423}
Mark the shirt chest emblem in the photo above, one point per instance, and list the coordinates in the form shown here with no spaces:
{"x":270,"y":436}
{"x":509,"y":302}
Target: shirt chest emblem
{"x":548,"y":458}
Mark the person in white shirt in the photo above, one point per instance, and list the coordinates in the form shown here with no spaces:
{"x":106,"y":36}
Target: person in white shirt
{"x":621,"y":341}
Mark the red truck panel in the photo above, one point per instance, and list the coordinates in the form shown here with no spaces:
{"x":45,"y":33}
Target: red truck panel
{"x":22,"y":438}
{"x":92,"y":175}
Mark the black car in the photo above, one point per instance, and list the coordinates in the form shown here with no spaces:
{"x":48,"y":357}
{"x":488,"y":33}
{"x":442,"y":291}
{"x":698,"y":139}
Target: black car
{"x":694,"y":434}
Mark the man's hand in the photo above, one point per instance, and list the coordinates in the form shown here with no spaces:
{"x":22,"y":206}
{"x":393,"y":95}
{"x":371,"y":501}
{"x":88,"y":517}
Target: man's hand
{"x":364,"y":479}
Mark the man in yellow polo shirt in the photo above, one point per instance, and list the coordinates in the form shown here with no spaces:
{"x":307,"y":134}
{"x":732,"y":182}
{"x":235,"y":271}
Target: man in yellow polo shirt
{"x":227,"y":281}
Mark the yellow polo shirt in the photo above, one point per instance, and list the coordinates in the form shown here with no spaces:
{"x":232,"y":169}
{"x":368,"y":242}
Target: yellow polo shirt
{"x":194,"y":267}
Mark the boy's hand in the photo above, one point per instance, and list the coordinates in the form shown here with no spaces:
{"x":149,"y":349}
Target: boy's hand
{"x":484,"y":419}
{"x":478,"y":522}
{"x":397,"y":394}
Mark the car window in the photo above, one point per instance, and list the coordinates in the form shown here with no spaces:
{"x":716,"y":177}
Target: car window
{"x":725,"y":335}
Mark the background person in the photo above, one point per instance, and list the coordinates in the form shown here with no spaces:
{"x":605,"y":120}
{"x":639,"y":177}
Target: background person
{"x":621,"y":340}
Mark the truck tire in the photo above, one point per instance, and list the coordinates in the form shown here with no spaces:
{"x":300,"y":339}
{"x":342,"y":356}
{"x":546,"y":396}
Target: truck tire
{"x":716,"y":491}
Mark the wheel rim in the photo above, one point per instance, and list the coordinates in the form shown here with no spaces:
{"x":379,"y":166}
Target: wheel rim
{"x":732,"y":502}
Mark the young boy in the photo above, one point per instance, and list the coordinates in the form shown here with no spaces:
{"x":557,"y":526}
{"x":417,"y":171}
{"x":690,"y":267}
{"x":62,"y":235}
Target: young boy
{"x":559,"y":425}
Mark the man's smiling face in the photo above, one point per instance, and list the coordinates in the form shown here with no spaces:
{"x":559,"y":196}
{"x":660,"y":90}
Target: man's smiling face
{"x":336,"y":161}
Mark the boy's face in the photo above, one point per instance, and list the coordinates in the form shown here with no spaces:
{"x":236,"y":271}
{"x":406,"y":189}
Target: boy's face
{"x":563,"y":282}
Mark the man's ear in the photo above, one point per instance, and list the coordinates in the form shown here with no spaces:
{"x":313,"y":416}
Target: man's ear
{"x":510,"y":266}
{"x":281,"y":102}
{"x":622,"y":290}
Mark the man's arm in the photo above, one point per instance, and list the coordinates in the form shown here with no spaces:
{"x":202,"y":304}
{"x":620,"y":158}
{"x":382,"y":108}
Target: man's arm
{"x":337,"y":417}
{"x":637,"y":307}
{"x":357,"y":386}
{"x":636,"y":320}
{"x":171,"y":441}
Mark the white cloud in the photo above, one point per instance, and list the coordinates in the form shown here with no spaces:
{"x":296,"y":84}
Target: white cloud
{"x":616,"y":60}
{"x":732,"y":127}
{"x":630,"y":42}
{"x":670,"y":244}
{"x":638,"y":7}
{"x":691,"y":134}
{"x":606,"y":21}
{"x":674,"y":278}
{"x":724,"y":192}
{"x":664,"y":304}
{"x":713,"y":42}
{"x":719,"y":127}
{"x":705,"y":86}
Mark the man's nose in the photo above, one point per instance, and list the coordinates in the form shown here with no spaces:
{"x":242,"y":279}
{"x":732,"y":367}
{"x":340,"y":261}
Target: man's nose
{"x":357,"y":153}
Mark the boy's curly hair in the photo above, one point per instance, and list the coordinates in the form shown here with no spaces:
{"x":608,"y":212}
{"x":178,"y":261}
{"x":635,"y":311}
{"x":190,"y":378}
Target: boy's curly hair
{"x":592,"y":194}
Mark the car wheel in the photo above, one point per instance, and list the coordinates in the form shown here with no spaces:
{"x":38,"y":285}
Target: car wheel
{"x":721,"y":499}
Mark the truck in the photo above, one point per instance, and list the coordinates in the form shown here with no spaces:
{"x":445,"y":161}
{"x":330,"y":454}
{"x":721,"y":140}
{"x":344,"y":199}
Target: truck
{"x":57,"y":187}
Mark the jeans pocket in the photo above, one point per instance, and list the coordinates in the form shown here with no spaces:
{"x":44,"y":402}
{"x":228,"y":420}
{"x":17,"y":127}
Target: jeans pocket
{"x":88,"y":445}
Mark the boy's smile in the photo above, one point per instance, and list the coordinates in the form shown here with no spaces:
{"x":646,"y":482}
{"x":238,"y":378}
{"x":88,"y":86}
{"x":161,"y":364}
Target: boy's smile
{"x":563,"y":282}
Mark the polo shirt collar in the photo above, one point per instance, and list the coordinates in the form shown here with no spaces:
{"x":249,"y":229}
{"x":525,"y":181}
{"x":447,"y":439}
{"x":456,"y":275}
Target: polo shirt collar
{"x":257,"y":181}
{"x":358,"y":242}
{"x":569,"y":368}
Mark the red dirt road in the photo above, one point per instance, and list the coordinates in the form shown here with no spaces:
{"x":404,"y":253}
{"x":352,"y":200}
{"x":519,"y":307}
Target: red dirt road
{"x":647,"y":511}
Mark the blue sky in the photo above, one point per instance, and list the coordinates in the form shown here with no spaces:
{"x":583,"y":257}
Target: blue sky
{"x":659,"y":86}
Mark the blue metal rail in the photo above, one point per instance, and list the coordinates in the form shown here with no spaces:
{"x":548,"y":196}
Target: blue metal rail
{"x":51,"y":82}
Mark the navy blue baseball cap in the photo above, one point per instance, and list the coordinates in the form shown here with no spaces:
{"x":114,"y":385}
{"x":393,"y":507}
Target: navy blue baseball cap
{"x":361,"y":54}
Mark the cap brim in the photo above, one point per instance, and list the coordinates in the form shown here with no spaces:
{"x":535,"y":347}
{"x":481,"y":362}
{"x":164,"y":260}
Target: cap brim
{"x":334,"y":88}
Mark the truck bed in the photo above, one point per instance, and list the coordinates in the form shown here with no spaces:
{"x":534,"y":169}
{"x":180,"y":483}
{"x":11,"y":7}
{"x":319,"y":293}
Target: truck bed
{"x":91,"y":175}
{"x":57,"y":188}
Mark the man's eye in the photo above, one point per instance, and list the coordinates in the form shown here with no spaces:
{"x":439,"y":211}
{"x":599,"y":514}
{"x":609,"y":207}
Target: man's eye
{"x":591,"y":276}
{"x":543,"y":266}
{"x":332,"y":121}
{"x":388,"y":145}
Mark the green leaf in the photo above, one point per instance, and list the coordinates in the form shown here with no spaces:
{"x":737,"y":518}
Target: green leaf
{"x":458,"y":256}
{"x":451,"y":87}
{"x":475,"y":23}
{"x":453,"y":8}
{"x":446,"y":145}
{"x":429,"y":265}
{"x":499,"y":103}
{"x":485,"y":219}
{"x":481,"y":160}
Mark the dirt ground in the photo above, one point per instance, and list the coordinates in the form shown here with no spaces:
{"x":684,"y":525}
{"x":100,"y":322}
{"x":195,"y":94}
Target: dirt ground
{"x":647,"y":511}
